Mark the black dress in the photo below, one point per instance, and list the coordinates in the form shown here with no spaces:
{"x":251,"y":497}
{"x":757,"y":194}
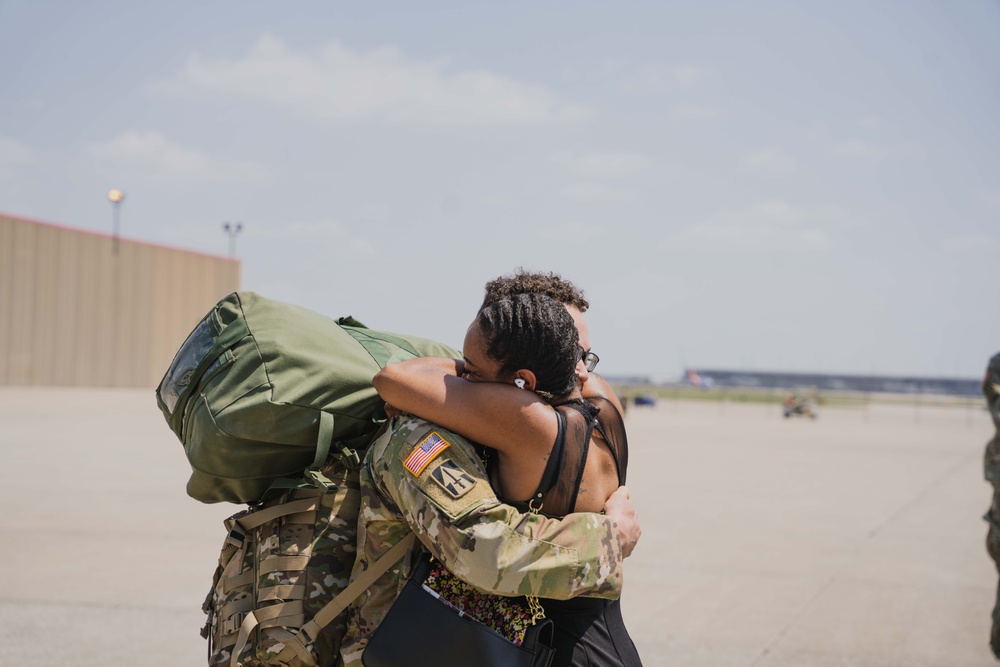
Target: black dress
{"x":589,"y":632}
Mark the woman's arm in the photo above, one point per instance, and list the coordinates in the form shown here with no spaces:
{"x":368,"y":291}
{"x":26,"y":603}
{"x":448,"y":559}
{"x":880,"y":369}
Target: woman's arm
{"x":512,"y":421}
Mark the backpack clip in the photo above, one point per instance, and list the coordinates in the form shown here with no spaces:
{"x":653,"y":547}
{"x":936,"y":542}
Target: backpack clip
{"x":320,"y":480}
{"x":349,"y":457}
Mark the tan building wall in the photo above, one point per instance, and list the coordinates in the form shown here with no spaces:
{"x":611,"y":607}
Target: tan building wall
{"x":73,"y":312}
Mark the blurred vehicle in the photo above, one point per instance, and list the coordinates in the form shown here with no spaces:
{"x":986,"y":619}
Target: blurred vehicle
{"x":645,"y":399}
{"x":799,"y":407}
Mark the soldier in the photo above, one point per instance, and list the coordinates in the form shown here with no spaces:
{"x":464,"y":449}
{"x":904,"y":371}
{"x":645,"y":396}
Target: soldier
{"x":991,"y":468}
{"x":418,"y":476}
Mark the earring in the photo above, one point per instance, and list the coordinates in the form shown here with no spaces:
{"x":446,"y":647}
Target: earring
{"x":519,"y":383}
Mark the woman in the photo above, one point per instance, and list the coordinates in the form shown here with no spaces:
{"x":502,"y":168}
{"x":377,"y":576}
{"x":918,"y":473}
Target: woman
{"x":554,"y":451}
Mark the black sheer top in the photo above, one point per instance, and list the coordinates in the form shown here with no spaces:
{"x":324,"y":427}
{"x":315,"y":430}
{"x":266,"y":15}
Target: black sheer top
{"x":578,"y":419}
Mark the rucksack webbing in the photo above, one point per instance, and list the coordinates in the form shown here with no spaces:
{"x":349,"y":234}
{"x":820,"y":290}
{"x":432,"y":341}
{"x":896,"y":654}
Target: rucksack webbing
{"x":280,"y":614}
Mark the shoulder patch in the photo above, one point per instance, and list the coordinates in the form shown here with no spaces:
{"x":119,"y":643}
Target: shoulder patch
{"x":455,"y":481}
{"x":432,"y":445}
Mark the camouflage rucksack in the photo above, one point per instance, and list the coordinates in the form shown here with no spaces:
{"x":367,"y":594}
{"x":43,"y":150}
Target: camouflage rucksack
{"x":282,"y":561}
{"x":272,"y":403}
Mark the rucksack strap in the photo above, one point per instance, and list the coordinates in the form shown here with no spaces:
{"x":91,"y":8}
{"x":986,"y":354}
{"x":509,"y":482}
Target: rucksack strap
{"x":313,"y":477}
{"x":308,"y":633}
{"x":255,"y":519}
{"x":323,"y":442}
{"x":333,"y":608}
{"x":373,"y":341}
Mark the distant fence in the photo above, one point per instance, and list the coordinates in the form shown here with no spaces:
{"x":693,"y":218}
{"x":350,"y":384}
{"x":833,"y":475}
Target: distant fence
{"x":79,"y":309}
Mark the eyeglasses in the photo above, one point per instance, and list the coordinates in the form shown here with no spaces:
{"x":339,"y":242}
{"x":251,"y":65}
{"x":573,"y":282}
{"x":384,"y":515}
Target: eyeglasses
{"x":589,"y":360}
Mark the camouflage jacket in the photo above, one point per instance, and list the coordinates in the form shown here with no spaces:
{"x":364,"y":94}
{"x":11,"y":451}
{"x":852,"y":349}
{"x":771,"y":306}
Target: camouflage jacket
{"x":418,"y":476}
{"x":991,"y":390}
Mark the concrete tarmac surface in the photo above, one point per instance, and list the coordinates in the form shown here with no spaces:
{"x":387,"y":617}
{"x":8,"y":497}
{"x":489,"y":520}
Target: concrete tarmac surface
{"x":854,"y":540}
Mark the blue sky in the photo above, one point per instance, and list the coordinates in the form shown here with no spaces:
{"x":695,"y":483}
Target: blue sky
{"x":802,"y":186}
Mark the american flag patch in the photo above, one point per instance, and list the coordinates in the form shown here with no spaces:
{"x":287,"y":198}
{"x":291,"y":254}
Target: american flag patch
{"x":430,"y":447}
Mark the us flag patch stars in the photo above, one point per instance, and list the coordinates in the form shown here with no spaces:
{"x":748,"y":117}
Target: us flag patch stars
{"x":425,"y":452}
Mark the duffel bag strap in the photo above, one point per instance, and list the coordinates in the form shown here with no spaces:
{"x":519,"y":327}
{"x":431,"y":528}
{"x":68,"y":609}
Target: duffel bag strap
{"x":323,"y":442}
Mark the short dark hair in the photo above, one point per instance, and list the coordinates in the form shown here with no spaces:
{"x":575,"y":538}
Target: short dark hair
{"x":524,"y":282}
{"x":535,"y":332}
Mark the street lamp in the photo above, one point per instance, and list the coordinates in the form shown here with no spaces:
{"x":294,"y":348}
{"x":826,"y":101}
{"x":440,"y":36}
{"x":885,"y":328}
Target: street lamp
{"x":232,"y":230}
{"x":116,"y":197}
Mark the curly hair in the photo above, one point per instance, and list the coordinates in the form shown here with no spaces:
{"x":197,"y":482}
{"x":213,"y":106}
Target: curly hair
{"x":523,"y":282}
{"x":535,"y":332}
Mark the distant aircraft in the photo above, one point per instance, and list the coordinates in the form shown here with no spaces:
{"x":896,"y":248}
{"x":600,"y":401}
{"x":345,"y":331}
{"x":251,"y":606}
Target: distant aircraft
{"x":698,"y":380}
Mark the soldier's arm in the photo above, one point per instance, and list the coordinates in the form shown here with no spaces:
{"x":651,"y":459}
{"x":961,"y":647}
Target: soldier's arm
{"x":453,"y":510}
{"x":500,"y":550}
{"x":991,"y":389}
{"x":596,"y":386}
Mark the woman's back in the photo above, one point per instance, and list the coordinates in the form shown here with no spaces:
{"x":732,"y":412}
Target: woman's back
{"x":589,"y":459}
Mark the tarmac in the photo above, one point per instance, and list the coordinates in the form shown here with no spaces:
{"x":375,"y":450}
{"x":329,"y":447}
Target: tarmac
{"x":852,"y":540}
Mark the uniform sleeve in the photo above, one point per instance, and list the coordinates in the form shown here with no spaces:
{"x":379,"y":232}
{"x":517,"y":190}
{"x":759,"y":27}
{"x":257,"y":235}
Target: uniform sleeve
{"x":443,"y":492}
{"x":991,"y":389}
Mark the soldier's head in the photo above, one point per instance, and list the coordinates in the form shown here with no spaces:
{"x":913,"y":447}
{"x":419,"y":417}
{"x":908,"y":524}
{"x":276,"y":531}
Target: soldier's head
{"x":555,"y":287}
{"x":526,"y":337}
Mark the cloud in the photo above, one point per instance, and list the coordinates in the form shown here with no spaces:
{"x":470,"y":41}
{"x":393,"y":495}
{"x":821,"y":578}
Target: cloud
{"x":371,"y":212}
{"x":339,"y":84}
{"x":651,"y":79}
{"x":992,"y":200}
{"x":767,"y":226}
{"x":973,"y":244}
{"x":14,"y":152}
{"x":858,"y":148}
{"x":592,"y":192}
{"x":603,"y":165}
{"x":769,"y":163}
{"x":861,"y":149}
{"x":321,"y":233}
{"x":686,"y":76}
{"x":576,"y":233}
{"x":14,"y":155}
{"x":693,"y":112}
{"x":167,"y":162}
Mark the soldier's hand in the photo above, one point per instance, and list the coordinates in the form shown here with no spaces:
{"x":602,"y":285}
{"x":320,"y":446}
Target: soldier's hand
{"x":620,"y":509}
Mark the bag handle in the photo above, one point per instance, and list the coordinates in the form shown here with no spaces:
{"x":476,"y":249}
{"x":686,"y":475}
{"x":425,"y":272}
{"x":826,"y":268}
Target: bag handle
{"x":224,"y":337}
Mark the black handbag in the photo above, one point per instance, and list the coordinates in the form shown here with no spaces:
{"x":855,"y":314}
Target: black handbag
{"x":422,"y":629}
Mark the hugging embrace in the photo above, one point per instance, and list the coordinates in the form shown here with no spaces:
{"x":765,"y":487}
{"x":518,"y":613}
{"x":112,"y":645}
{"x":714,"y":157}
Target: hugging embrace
{"x":508,"y":465}
{"x":397,"y":488}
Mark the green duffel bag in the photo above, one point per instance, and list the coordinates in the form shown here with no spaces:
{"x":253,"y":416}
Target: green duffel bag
{"x":263,"y":392}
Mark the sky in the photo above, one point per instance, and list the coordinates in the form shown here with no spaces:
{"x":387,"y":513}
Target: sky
{"x":764,"y":185}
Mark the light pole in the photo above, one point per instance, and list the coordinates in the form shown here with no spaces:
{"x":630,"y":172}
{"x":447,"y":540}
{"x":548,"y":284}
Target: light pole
{"x":232,"y":230}
{"x":116,"y":197}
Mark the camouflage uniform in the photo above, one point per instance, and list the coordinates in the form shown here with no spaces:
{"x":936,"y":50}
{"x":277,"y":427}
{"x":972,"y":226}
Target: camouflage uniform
{"x":442,"y":493}
{"x":991,"y":468}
